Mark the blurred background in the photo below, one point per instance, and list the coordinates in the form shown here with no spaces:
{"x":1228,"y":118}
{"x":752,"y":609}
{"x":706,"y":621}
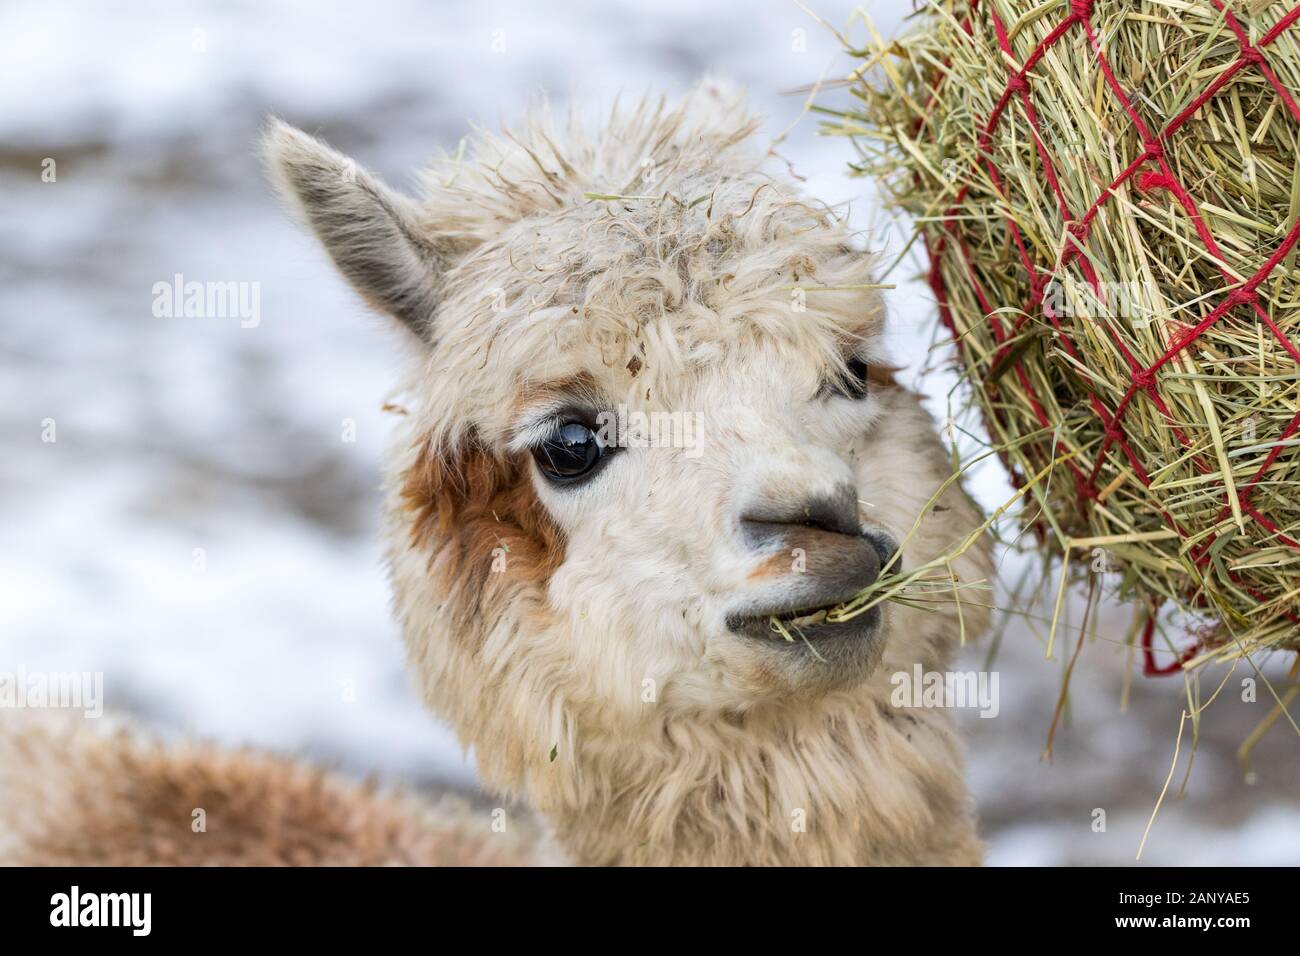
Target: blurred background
{"x":204,"y":532}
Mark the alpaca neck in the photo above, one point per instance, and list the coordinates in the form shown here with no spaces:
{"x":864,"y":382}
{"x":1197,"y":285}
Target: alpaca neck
{"x":844,"y":783}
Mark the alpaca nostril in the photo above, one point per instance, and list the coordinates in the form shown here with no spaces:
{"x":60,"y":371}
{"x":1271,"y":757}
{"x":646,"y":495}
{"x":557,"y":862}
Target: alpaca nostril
{"x":886,"y":547}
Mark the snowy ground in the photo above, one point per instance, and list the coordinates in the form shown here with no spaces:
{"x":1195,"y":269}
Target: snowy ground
{"x":200,"y":531}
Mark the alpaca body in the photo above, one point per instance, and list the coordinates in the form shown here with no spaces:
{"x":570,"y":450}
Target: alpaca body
{"x":73,"y":794}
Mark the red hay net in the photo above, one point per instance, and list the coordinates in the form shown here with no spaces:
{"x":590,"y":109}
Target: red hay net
{"x":1153,"y":172}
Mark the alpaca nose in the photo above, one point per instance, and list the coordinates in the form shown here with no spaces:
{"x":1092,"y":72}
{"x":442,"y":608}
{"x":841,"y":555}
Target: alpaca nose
{"x":833,"y":513}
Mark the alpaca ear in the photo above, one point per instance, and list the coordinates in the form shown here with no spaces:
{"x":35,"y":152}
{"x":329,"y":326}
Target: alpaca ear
{"x":373,"y":234}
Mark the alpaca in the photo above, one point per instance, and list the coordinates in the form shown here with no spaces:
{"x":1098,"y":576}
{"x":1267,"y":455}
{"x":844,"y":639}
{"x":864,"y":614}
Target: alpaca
{"x":588,"y":606}
{"x":71,"y":795}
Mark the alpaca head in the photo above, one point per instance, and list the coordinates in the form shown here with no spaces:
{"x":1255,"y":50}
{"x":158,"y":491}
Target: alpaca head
{"x":634,"y":429}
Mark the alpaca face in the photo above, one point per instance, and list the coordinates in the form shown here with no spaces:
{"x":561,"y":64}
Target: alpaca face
{"x":691,"y":519}
{"x":636,"y":426}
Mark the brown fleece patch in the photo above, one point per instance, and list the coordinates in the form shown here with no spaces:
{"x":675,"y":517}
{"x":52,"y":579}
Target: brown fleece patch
{"x":487,"y":532}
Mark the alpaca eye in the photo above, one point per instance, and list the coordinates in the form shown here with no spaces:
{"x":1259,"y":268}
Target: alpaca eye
{"x":853,"y":385}
{"x":570,"y":452}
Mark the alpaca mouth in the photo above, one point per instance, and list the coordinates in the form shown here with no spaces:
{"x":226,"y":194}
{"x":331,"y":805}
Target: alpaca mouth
{"x":804,"y":625}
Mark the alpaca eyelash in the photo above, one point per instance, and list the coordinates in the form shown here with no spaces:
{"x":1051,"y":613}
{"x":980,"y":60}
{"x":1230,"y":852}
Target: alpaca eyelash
{"x":532,"y":433}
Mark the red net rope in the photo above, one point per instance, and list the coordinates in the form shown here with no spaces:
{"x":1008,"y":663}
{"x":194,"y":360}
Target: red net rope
{"x":1153,"y":172}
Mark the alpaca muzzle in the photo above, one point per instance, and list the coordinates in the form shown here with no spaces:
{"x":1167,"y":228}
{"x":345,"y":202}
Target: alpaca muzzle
{"x":819,"y":557}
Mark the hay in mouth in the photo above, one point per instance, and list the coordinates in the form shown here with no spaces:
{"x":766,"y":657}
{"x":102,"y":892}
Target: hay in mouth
{"x":810,"y":624}
{"x":806,"y":617}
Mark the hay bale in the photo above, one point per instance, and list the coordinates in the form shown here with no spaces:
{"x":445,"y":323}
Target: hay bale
{"x":1110,"y":199}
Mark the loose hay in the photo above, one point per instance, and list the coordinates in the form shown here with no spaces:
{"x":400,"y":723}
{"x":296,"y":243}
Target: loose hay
{"x":1109,"y":196}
